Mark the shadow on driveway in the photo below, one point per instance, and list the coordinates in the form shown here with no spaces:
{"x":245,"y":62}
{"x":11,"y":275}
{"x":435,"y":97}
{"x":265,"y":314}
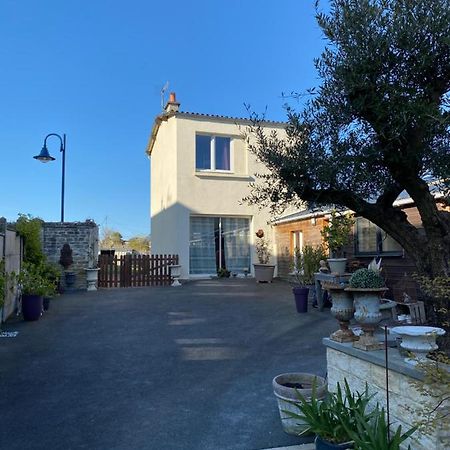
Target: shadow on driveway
{"x":157,"y":368}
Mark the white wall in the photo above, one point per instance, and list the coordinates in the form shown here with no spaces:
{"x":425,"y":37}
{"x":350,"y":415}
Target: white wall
{"x":178,"y":190}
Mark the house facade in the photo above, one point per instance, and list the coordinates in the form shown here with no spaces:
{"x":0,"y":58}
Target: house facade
{"x":200,"y":172}
{"x":367,"y":241}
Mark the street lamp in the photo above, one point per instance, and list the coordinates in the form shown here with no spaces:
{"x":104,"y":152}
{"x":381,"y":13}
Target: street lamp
{"x":45,"y":157}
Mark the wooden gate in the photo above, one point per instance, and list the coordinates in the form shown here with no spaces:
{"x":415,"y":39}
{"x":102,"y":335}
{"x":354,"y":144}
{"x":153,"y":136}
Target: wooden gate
{"x":135,"y":270}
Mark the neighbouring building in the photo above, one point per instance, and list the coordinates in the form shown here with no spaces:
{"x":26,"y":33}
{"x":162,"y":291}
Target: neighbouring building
{"x":200,"y":172}
{"x":367,"y":241}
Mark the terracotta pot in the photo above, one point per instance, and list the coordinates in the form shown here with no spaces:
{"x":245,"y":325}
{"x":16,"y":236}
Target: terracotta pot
{"x":285,"y":388}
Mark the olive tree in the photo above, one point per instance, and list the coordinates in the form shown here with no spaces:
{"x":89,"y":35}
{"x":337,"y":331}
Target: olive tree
{"x":378,"y":124}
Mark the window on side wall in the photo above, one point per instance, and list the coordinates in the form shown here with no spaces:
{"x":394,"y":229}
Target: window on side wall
{"x":296,"y":246}
{"x":373,"y":241}
{"x":212,"y":153}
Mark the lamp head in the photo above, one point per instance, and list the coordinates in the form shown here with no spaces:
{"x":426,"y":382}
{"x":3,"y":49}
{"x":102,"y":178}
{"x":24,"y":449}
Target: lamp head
{"x":44,"y":156}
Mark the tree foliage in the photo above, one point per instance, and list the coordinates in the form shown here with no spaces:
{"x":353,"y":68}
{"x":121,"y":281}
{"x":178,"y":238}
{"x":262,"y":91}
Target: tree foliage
{"x":30,"y":228}
{"x":111,"y":239}
{"x":139,"y":243}
{"x":378,"y":124}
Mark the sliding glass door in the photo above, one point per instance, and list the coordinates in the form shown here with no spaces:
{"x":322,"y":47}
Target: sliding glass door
{"x":219,"y":242}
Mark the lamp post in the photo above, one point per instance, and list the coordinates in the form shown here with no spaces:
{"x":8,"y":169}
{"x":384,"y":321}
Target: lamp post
{"x":45,"y":157}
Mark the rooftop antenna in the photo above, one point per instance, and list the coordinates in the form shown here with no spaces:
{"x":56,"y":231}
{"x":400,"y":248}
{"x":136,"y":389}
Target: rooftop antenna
{"x":163,"y":90}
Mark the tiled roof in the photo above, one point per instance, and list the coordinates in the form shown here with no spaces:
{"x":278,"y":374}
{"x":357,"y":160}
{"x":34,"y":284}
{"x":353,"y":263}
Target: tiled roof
{"x":217,"y":116}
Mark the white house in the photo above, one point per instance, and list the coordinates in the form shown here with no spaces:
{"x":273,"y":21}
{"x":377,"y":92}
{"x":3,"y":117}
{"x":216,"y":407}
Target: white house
{"x":200,"y":172}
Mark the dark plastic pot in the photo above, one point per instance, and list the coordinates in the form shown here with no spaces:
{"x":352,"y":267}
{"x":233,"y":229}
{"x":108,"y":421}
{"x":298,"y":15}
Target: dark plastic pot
{"x":301,"y":299}
{"x":325,"y":445}
{"x":70,"y":278}
{"x":46,"y":303}
{"x":31,"y":307}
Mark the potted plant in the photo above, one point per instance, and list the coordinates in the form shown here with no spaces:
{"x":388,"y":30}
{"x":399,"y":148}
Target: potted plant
{"x":223,"y":273}
{"x":374,"y":434}
{"x":263,"y":270}
{"x":7,"y":280}
{"x":92,"y":270}
{"x":306,"y":263}
{"x":66,"y":261}
{"x":52,"y":275}
{"x":331,"y":419}
{"x":336,"y":235}
{"x":367,"y":286}
{"x":286,"y":388}
{"x":33,"y":287}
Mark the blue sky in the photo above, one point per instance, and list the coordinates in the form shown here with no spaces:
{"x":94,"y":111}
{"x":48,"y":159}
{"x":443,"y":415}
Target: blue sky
{"x":94,"y":70}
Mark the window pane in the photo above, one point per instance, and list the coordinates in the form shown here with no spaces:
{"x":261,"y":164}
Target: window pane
{"x":202,"y":246}
{"x":202,"y":152}
{"x":236,"y":234}
{"x":222,"y":153}
{"x":388,"y":244}
{"x":367,"y":236}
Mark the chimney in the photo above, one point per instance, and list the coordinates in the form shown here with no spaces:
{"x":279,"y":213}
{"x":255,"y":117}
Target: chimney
{"x":172,"y":105}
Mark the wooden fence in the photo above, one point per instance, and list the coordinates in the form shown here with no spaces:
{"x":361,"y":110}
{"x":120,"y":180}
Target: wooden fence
{"x":135,"y":270}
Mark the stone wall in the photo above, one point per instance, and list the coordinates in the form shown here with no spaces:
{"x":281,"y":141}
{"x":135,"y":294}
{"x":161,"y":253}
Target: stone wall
{"x":406,"y":402}
{"x":11,"y":250}
{"x":83,"y":240}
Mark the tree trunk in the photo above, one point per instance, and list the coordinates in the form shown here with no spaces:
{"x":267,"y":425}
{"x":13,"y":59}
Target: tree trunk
{"x":428,"y":247}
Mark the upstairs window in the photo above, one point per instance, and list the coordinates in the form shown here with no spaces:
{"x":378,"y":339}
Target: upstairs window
{"x":373,"y":241}
{"x":212,"y":153}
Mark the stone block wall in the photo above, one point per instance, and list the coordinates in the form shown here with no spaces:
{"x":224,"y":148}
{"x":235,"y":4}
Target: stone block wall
{"x":83,"y":240}
{"x":359,"y":367}
{"x":11,"y":251}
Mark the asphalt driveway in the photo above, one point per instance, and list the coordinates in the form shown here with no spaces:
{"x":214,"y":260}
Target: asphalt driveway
{"x":157,"y":368}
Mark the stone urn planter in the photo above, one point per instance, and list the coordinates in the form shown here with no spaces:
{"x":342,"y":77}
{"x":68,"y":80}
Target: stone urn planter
{"x":264,"y":272}
{"x":285,"y":388}
{"x":91,"y":278}
{"x":343,"y":310}
{"x":368,"y":315}
{"x":175,"y":273}
{"x":418,"y":340}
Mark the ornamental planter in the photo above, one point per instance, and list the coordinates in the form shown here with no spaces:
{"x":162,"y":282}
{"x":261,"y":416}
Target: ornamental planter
{"x":301,"y":298}
{"x":418,"y":340}
{"x":31,"y":307}
{"x":264,"y":273}
{"x":175,"y":273}
{"x":285,"y":388}
{"x":91,"y":279}
{"x":343,"y":310}
{"x":69,"y":278}
{"x":325,"y":445}
{"x":337,"y":265}
{"x":368,"y":315}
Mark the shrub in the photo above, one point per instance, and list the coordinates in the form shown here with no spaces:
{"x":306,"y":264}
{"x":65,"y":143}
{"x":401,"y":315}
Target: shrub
{"x":366,"y":279}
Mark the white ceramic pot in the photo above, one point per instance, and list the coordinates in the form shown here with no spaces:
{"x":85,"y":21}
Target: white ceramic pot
{"x":418,"y":340}
{"x":337,"y":265}
{"x":264,"y":273}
